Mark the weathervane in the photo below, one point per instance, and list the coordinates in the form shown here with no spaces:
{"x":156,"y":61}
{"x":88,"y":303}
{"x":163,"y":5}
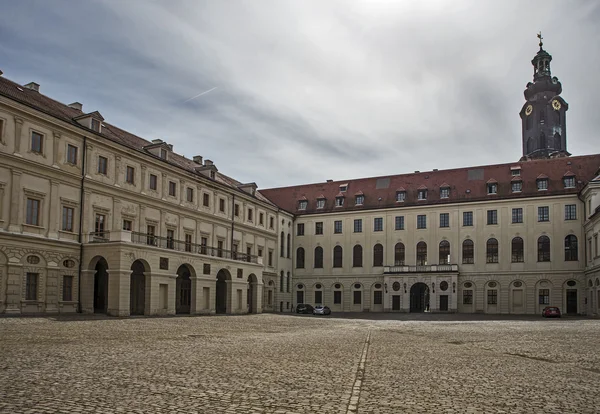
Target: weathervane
{"x":539,"y":35}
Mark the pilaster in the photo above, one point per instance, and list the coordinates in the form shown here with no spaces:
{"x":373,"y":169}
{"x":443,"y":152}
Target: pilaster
{"x":143,"y":179}
{"x":18,"y":129}
{"x":117,"y":170}
{"x":56,"y":143}
{"x":87,"y":290}
{"x":54,"y":211}
{"x":52,"y":291}
{"x":13,"y":288}
{"x":118,"y":292}
{"x":116,"y":222}
{"x":16,"y":202}
{"x":88,"y":160}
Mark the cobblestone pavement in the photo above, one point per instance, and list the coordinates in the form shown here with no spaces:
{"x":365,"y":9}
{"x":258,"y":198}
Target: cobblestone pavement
{"x":285,"y":364}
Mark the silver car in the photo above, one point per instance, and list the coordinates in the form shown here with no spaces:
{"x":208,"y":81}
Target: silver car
{"x":321,"y":310}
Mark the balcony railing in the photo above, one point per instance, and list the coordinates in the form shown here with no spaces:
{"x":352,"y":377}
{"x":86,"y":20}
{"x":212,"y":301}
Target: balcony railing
{"x":421,"y":269}
{"x":99,"y":237}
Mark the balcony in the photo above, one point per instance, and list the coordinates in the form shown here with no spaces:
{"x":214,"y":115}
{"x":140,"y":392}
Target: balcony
{"x":446,"y":268}
{"x":170,"y":244}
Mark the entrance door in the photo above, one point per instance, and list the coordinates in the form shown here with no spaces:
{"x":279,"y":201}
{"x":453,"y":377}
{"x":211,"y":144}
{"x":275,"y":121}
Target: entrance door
{"x":419,"y":297}
{"x":138,"y":293}
{"x":571,"y":300}
{"x":444,"y":302}
{"x":299,"y":297}
{"x":184,"y":290}
{"x":221,"y":293}
{"x":101,"y":288}
{"x":396,"y":302}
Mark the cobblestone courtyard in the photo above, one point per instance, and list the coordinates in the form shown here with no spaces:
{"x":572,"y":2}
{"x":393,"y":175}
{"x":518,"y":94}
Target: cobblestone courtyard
{"x":289,"y":364}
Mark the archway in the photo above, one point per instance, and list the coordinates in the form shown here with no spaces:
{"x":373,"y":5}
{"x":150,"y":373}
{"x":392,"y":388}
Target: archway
{"x":419,"y":297}
{"x":221,"y":291}
{"x":183,"y":290}
{"x":101,"y":286}
{"x":252,"y":293}
{"x":137,"y":288}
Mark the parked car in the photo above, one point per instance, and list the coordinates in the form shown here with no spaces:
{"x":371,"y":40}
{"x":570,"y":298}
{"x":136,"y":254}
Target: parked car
{"x":304,"y":308}
{"x":321,"y":310}
{"x":551,"y":312}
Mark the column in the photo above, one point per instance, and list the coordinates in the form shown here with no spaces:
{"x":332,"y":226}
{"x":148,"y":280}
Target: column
{"x":56,"y":143}
{"x":16,"y":202}
{"x":18,"y":128}
{"x":117,"y":170}
{"x":87,"y":291}
{"x":55,"y":212}
{"x":143,"y":180}
{"x":119,"y":285}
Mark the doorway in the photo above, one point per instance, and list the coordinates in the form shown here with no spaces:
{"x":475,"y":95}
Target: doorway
{"x":571,"y":301}
{"x":395,"y":302}
{"x":221,"y":299}
{"x":444,"y":303}
{"x":137,"y":289}
{"x":183,"y":286}
{"x":419,"y":297}
{"x":101,"y":287}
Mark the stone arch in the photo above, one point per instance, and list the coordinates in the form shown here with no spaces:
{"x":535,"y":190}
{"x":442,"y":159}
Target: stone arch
{"x":223,"y":299}
{"x":137,"y":287}
{"x":252,"y":293}
{"x":99,"y":267}
{"x":184,"y":282}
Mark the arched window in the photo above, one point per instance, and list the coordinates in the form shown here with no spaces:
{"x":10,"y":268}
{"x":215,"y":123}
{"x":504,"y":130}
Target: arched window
{"x":571,"y":248}
{"x":544,"y":249}
{"x":289,"y":245}
{"x":378,"y":255}
{"x":357,"y":256}
{"x":468,"y":252}
{"x":518,"y":250}
{"x":337,"y":256}
{"x":289,"y":282}
{"x":491,"y":251}
{"x":318,"y":257}
{"x":281,"y":281}
{"x":421,"y":254}
{"x":399,"y":254}
{"x":282,"y":245}
{"x":300,"y":258}
{"x":444,"y":252}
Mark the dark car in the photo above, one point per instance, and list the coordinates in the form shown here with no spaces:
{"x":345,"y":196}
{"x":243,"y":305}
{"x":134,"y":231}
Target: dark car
{"x":321,"y":310}
{"x":304,"y":308}
{"x":551,"y":312}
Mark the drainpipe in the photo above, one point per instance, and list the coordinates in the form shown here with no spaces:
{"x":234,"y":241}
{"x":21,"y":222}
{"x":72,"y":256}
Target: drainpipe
{"x":232,"y":223}
{"x":81,"y":212}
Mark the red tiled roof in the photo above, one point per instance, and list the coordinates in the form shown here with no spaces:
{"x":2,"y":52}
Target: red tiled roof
{"x":467,"y":184}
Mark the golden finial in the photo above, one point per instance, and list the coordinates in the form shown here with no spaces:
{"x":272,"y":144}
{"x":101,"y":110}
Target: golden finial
{"x":539,"y":35}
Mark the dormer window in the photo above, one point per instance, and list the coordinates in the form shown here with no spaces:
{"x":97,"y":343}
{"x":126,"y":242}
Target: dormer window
{"x":515,"y":171}
{"x":302,"y":204}
{"x":517,"y":186}
{"x":444,"y":192}
{"x":422,"y":194}
{"x":542,"y":184}
{"x":213,"y":175}
{"x":360,"y":200}
{"x":163,"y":153}
{"x":492,"y":188}
{"x":321,"y":203}
{"x":95,"y":125}
{"x":343,"y":188}
{"x":569,"y":181}
{"x":339,"y":201}
{"x":400,"y":196}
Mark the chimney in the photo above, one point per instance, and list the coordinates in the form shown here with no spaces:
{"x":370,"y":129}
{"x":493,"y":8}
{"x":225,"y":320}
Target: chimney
{"x":435,"y":170}
{"x":329,"y":181}
{"x":33,"y":86}
{"x":1,"y":73}
{"x":157,"y":141}
{"x":208,"y":162}
{"x":76,"y":105}
{"x":197,"y":159}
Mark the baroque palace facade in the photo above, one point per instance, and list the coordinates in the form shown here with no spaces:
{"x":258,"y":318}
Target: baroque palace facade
{"x":97,"y":220}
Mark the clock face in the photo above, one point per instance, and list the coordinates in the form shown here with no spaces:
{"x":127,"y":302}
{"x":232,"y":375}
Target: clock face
{"x":528,"y":110}
{"x":555,"y":105}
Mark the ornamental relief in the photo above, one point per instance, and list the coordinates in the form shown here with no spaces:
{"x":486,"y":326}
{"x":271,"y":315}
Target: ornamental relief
{"x":17,"y":254}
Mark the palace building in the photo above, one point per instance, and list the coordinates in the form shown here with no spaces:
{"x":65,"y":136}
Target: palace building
{"x":95,"y":219}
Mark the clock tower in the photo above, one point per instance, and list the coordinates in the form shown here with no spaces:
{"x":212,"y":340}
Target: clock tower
{"x":543,"y":114}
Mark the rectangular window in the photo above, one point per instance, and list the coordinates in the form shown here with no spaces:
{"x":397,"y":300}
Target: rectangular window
{"x":569,"y":182}
{"x":150,"y":232}
{"x":71,"y":154}
{"x":378,"y":224}
{"x":337,"y":226}
{"x":517,"y":215}
{"x":321,"y":203}
{"x":270,"y":258}
{"x":127,"y":225}
{"x":190,"y":194}
{"x":378,"y":297}
{"x":203,"y":244}
{"x":95,"y":125}
{"x":544,"y":296}
{"x":492,"y":297}
{"x":130,"y":175}
{"x":205,"y":200}
{"x":261,"y":219}
{"x":170,"y":239}
{"x":37,"y":142}
{"x":153,"y":182}
{"x":399,"y":222}
{"x":172,"y":189}
{"x":421,"y":221}
{"x":102,"y":165}
{"x":492,"y":188}
{"x":302,"y":204}
{"x":467,"y":297}
{"x":515,"y":172}
{"x":517,"y":186}
{"x":542,"y":184}
{"x":163,"y":153}
{"x":31,"y":286}
{"x":570,"y":212}
{"x":236,"y":210}
{"x":300,"y":229}
{"x":188,"y":242}
{"x":444,"y":220}
{"x":67,"y":291}
{"x":271,"y":222}
{"x":67,"y":219}
{"x":318,"y":297}
{"x":339,"y":201}
{"x":357,"y":297}
{"x":250,"y":214}
{"x":467,"y":218}
{"x":33,"y":212}
{"x":360,"y":200}
{"x":357,"y":225}
{"x":337,"y":297}
{"x":422,"y":194}
{"x":444,"y":192}
{"x":544,"y":213}
{"x":319,"y":227}
{"x":222,"y":205}
{"x":492,"y":217}
{"x":400,"y":196}
{"x":220,"y":248}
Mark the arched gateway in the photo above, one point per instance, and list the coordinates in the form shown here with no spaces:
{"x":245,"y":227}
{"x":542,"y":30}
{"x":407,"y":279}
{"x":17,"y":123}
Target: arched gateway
{"x":221,"y":291}
{"x":101,"y":286}
{"x":419,"y":297}
{"x":183,"y":292}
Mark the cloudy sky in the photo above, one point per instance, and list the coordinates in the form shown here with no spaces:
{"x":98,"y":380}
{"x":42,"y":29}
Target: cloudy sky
{"x":304,"y":91}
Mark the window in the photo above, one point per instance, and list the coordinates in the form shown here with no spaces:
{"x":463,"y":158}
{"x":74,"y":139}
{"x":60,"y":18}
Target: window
{"x":337,"y":256}
{"x":357,"y":297}
{"x":299,"y":258}
{"x":172,"y":189}
{"x":163,"y":153}
{"x":188,"y":242}
{"x":300,"y":229}
{"x":281,"y":282}
{"x":570,"y":212}
{"x":67,"y":291}
{"x":377,"y":297}
{"x":1,"y":129}
{"x":282,"y":245}
{"x":219,"y":248}
{"x":378,"y":224}
{"x":150,"y":232}
{"x":517,"y":215}
{"x":518,"y":250}
{"x":130,"y":175}
{"x":360,"y":200}
{"x":318,"y":257}
{"x":289,"y":246}
{"x":422,"y":195}
{"x":516,"y":186}
{"x":357,"y":256}
{"x":444,"y":220}
{"x":399,"y":222}
{"x":337,"y":226}
{"x":468,"y":252}
{"x":203,"y":244}
{"x":236,"y":210}
{"x":544,"y":296}
{"x":206,"y":200}
{"x":491,"y":251}
{"x":302,"y":205}
{"x":515,"y":172}
{"x":270,"y":258}
{"x":544,"y":249}
{"x":102,"y":165}
{"x":321,"y":203}
{"x":337,"y":297}
{"x":189,"y":194}
{"x":492,"y":217}
{"x":31,"y":286}
{"x":543,"y":214}
{"x":444,"y":252}
{"x":153,"y":182}
{"x":358,"y":226}
{"x":595,"y":245}
{"x":421,"y":221}
{"x":571,"y":248}
{"x":377,"y":255}
{"x":67,"y":219}
{"x":250,"y":214}
{"x":271,"y":222}
{"x":569,"y":182}
{"x":339,"y":201}
{"x":492,"y":188}
{"x":400,"y":196}
{"x":71,"y":154}
{"x":467,"y":297}
{"x":33,"y":212}
{"x":261,"y":219}
{"x":421,"y":254}
{"x":399,"y":254}
{"x":37,"y":142}
{"x":221,"y":205}
{"x":213,"y":175}
{"x":492,"y":297}
{"x":95,"y":126}
{"x":170,"y":239}
{"x":467,"y":218}
{"x":127,"y":225}
{"x":445,"y":192}
{"x":318,"y":297}
{"x":542,"y":184}
{"x":319,"y":227}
